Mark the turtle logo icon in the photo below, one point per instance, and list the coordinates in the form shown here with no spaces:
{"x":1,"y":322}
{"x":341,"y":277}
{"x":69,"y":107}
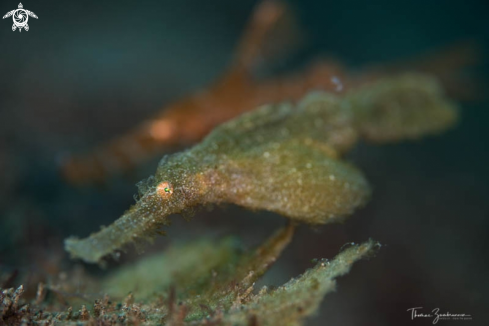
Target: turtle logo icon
{"x":20,"y":17}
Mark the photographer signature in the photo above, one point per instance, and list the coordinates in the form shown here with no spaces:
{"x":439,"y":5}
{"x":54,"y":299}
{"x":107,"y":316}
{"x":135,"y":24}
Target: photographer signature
{"x":437,"y":316}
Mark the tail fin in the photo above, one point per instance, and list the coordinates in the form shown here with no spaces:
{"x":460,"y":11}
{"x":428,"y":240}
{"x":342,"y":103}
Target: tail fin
{"x":408,"y":106}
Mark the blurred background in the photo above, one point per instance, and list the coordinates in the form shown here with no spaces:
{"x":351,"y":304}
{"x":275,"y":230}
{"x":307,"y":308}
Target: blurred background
{"x":87,"y":71}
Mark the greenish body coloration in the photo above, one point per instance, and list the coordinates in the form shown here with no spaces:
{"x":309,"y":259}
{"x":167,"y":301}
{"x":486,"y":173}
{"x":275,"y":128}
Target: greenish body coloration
{"x":282,"y":158}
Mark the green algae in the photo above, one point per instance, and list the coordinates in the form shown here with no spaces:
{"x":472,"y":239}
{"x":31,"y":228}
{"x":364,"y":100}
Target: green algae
{"x":299,"y":298}
{"x":283,"y":158}
{"x":183,"y":266}
{"x":201,"y":282}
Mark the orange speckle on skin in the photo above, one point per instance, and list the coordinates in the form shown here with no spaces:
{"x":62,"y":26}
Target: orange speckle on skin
{"x":161,"y":130}
{"x":164,"y":189}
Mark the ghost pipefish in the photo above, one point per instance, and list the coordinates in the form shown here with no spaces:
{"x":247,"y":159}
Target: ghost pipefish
{"x":283,"y":158}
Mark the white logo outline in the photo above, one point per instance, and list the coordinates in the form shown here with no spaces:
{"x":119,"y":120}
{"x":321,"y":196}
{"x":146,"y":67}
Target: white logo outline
{"x":20,"y":17}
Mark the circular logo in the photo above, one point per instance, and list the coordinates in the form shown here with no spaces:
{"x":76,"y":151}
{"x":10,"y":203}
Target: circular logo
{"x":20,"y":17}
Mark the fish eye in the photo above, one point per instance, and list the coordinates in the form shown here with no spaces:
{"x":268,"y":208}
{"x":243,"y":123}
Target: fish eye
{"x":164,"y":189}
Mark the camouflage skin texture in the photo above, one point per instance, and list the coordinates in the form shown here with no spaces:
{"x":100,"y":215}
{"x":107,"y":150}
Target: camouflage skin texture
{"x":283,"y":158}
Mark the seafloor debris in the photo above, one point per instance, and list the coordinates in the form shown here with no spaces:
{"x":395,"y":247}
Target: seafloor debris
{"x":205,"y":282}
{"x":282,"y":158}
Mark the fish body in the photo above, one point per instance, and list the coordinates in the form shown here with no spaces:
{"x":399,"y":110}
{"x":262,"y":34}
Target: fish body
{"x":284,"y":158}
